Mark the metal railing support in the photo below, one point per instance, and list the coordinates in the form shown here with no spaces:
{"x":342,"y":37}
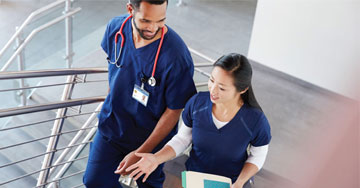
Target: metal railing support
{"x":65,"y":177}
{"x":42,"y":154}
{"x":35,"y":31}
{"x":179,"y":3}
{"x":75,"y":153}
{"x":37,"y":171}
{"x":51,"y":73}
{"x":201,"y":84}
{"x":77,"y":137}
{"x":21,"y":67}
{"x":68,"y":35}
{"x":27,"y":21}
{"x":204,"y":57}
{"x":55,"y":130}
{"x":203,"y":64}
{"x":49,"y":106}
{"x":201,"y":55}
{"x":202,"y":72}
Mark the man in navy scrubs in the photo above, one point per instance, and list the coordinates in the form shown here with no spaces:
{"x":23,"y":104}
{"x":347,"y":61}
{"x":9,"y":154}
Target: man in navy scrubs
{"x":150,"y":80}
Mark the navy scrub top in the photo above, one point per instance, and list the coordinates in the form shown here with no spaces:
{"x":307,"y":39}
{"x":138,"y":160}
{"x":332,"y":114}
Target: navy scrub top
{"x":122,"y":118}
{"x":222,"y":151}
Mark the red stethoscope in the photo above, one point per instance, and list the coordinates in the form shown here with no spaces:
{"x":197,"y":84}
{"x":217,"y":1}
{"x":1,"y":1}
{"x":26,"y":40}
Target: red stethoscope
{"x":151,"y":80}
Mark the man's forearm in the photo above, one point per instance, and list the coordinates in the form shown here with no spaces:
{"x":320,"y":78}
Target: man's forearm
{"x":166,"y":123}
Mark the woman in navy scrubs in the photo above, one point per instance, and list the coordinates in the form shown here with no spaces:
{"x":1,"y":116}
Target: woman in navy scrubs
{"x":220,"y":124}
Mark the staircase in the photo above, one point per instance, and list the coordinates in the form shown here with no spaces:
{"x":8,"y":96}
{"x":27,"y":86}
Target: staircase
{"x":38,"y":125}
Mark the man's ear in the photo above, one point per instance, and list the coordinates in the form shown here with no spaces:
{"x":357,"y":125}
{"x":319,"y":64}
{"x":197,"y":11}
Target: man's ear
{"x":130,"y":9}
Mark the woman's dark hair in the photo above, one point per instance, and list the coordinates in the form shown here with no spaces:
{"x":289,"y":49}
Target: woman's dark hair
{"x":136,"y":3}
{"x":240,"y":68}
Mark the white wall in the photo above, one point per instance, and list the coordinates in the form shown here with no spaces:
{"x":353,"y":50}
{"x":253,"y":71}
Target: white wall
{"x":314,"y":40}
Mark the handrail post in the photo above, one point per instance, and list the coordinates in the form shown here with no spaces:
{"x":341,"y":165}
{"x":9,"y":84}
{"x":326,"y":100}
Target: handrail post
{"x":21,"y":67}
{"x":68,"y":35}
{"x":57,"y":184}
{"x":76,"y":138}
{"x":28,"y":20}
{"x":43,"y":176}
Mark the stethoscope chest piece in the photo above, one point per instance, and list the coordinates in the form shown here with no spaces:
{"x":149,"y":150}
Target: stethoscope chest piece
{"x":152,"y":81}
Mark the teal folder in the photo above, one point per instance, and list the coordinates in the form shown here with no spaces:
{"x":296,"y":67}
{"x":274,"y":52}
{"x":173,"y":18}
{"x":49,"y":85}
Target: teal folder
{"x":215,"y":184}
{"x":191,"y":179}
{"x":183,"y":179}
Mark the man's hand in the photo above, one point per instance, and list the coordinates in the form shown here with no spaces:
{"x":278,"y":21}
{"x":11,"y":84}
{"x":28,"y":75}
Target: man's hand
{"x":128,"y":160}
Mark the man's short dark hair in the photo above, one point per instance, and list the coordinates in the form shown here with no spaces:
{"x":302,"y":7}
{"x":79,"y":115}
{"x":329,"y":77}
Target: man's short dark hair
{"x":136,"y":3}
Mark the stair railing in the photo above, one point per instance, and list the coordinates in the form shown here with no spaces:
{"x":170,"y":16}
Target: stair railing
{"x":47,"y":166}
{"x":22,"y":43}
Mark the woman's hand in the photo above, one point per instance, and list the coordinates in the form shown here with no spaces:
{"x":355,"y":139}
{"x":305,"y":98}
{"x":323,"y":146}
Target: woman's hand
{"x":238,"y":184}
{"x":128,"y":160}
{"x":146,"y":165}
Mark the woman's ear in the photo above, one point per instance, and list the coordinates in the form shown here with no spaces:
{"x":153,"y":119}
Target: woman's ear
{"x":243,"y":91}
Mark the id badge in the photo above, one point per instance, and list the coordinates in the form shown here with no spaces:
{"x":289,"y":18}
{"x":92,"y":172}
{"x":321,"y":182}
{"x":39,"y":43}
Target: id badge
{"x":141,"y":95}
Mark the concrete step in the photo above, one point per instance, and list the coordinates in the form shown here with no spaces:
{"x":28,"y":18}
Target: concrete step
{"x":24,"y":134}
{"x":8,"y":173}
{"x":17,"y":153}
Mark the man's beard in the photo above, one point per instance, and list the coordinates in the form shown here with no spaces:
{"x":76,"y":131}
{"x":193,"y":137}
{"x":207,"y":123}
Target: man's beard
{"x":141,"y":32}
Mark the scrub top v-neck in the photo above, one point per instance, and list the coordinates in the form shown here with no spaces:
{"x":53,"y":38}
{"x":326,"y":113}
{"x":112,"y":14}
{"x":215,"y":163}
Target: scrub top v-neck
{"x":222,"y":151}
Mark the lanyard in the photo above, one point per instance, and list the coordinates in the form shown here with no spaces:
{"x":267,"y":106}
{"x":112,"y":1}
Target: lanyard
{"x":151,"y":80}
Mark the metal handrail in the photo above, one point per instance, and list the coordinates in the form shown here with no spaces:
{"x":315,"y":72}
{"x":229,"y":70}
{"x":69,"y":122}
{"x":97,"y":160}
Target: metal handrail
{"x":204,"y":57}
{"x":37,"y":171}
{"x":49,"y":106}
{"x":45,"y":137}
{"x":27,"y":21}
{"x":51,"y":72}
{"x":77,"y":186}
{"x":42,"y":154}
{"x":201,"y":84}
{"x":77,"y":136}
{"x":50,"y":85}
{"x":202,"y":72}
{"x":45,"y":121}
{"x":201,"y":55}
{"x":76,"y":153}
{"x":66,"y":96}
{"x":35,"y":31}
{"x":68,"y":176}
{"x":203,"y":64}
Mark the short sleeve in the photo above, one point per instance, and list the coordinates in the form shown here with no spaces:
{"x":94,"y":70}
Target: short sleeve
{"x":262,"y":131}
{"x":109,"y":36}
{"x":179,"y":86}
{"x":188,"y":111}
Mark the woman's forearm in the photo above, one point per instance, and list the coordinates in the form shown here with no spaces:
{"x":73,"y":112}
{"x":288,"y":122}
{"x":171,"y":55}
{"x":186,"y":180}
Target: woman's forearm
{"x":165,"y":154}
{"x":248,"y":171}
